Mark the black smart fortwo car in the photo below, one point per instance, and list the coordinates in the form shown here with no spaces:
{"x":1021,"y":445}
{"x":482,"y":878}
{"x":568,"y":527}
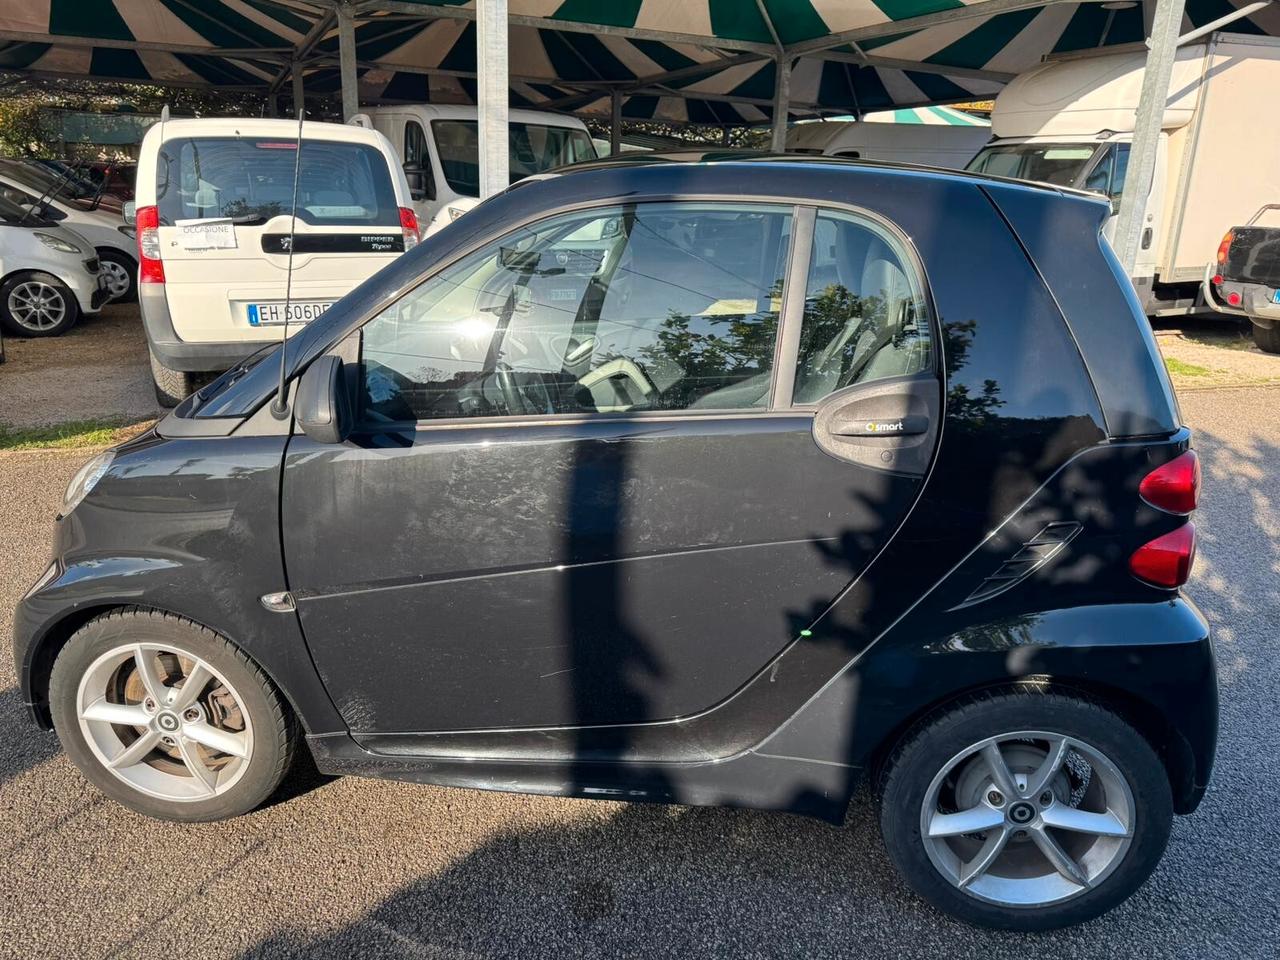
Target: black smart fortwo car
{"x":696,"y":480}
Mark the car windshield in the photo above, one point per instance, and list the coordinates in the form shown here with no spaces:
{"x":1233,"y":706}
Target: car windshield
{"x":41,"y":181}
{"x":1058,"y":163}
{"x":12,"y":214}
{"x":534,"y":148}
{"x":250,"y":179}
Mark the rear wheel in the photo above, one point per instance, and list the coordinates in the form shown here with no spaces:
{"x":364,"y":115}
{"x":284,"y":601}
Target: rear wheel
{"x":1026,"y":811}
{"x":168,"y":718}
{"x":172,"y":386}
{"x":1267,"y":338}
{"x":37,"y":304}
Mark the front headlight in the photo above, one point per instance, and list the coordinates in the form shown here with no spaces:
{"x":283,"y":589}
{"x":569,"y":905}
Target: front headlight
{"x":86,"y":479}
{"x":56,"y":243}
{"x":128,"y":230}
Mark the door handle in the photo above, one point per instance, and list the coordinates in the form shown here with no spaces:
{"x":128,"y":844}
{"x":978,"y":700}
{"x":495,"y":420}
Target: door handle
{"x":908,"y":426}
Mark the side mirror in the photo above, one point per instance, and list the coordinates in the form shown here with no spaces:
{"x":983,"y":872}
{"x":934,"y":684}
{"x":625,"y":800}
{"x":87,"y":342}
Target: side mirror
{"x":130,"y":212}
{"x":323,"y":405}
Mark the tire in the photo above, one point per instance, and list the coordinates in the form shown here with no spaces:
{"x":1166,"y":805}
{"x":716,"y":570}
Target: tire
{"x":122,"y":274}
{"x":37,"y":304}
{"x":1022,"y":889}
{"x":103,"y":708}
{"x":1267,"y":338}
{"x":172,"y":386}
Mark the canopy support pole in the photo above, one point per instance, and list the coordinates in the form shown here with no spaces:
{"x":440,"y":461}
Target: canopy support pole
{"x":491,"y":95}
{"x":781,"y":101}
{"x":615,"y":121}
{"x":1162,"y":48}
{"x":299,"y":93}
{"x":347,"y":62}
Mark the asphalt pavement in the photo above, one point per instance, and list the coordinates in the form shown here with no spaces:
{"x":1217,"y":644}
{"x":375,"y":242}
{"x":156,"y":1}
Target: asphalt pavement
{"x":361,"y":868}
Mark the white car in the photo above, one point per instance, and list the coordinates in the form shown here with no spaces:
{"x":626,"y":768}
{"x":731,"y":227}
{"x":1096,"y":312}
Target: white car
{"x":113,"y":239}
{"x":439,"y":145}
{"x":49,"y":275}
{"x":213,"y":201}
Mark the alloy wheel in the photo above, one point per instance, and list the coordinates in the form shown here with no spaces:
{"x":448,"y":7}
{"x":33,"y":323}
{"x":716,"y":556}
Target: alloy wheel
{"x":37,"y":306}
{"x":1027,"y":818}
{"x":164,"y":722}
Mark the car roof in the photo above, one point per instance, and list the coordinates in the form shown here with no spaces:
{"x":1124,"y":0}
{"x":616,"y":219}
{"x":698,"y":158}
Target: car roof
{"x":268,"y":127}
{"x":798,"y":161}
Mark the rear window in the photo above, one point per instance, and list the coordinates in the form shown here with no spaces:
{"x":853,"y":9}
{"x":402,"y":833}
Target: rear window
{"x":251,"y":180}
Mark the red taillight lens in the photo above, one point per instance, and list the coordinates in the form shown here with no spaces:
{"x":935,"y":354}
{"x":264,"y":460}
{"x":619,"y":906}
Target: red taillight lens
{"x":150,"y":269}
{"x":1224,"y":248}
{"x":409,"y":224}
{"x":1175,"y":486}
{"x":1166,"y":561}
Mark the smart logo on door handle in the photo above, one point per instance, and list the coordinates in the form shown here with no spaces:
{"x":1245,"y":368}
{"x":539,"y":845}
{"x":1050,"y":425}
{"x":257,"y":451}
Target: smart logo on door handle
{"x":902,"y":426}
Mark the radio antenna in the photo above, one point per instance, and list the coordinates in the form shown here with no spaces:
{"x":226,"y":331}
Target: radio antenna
{"x":278,"y":407}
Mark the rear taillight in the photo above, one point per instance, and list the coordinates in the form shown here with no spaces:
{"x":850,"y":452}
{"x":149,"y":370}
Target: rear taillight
{"x":1166,"y":561}
{"x":150,"y":269}
{"x":1224,"y":248}
{"x":1174,"y":486}
{"x":409,"y":225}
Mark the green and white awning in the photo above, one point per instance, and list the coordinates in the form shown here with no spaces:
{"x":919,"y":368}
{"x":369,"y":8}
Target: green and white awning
{"x":710,"y":61}
{"x":928,"y":116}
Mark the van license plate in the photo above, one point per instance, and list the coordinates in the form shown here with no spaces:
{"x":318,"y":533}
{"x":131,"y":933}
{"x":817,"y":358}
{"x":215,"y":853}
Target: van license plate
{"x":267,"y":314}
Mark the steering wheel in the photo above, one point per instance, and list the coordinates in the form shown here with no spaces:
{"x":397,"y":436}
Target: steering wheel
{"x":519,"y":399}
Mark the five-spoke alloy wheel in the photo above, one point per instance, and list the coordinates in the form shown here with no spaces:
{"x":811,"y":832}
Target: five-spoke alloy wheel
{"x":35,"y":304}
{"x":169,"y":718}
{"x":1025,"y":810}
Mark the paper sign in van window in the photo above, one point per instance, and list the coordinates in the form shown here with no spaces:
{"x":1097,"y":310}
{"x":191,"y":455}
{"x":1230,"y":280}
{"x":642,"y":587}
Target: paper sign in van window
{"x":209,"y":233}
{"x":1068,"y":153}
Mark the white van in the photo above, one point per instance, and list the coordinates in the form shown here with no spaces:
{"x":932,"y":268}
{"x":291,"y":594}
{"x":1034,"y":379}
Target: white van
{"x":933,"y":136}
{"x":439,"y":146}
{"x":213,"y":216}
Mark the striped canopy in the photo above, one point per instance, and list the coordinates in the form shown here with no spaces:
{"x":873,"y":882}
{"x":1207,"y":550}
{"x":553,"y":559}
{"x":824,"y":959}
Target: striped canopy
{"x":706,"y":61}
{"x":928,"y":116}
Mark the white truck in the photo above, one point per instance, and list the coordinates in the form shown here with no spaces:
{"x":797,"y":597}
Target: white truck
{"x":1070,"y":122}
{"x":439,"y":147}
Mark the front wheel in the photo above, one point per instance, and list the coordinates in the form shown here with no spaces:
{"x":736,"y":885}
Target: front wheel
{"x":1267,"y":338}
{"x":1025,"y":810}
{"x":37,"y":304}
{"x":122,"y":275}
{"x":169,"y":719}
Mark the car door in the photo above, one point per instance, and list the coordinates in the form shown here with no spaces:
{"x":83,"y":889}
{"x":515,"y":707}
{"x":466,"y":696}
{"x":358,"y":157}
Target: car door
{"x":609,"y":466}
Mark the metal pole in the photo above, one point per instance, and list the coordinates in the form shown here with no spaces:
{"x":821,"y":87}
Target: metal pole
{"x":1223,"y":21}
{"x":491,"y":96}
{"x":781,"y":100}
{"x":615,"y":121}
{"x":1162,"y":48}
{"x":347,"y":61}
{"x":299,"y":94}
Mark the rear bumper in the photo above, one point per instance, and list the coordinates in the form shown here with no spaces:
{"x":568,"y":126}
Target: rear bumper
{"x":178,"y":354}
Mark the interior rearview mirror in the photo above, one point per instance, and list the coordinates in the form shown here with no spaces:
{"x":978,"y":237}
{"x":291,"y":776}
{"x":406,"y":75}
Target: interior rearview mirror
{"x":323,"y":405}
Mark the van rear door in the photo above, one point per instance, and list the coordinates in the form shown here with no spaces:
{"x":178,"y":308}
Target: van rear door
{"x":224,"y":208}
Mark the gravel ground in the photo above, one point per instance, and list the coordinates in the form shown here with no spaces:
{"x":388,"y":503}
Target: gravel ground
{"x":97,"y":369}
{"x":1211,"y":353}
{"x":362,"y":868}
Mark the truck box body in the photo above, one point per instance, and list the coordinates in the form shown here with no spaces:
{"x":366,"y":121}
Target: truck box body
{"x":1220,"y":143}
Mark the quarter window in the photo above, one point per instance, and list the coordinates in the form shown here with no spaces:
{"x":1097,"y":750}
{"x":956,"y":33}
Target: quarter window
{"x":864,"y":312}
{"x":658,"y":306}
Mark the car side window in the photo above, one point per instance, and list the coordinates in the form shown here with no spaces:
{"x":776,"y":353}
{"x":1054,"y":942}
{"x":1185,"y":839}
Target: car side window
{"x":653,"y":306}
{"x":865,"y":314}
{"x":1108,"y":174}
{"x":415,"y":144}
